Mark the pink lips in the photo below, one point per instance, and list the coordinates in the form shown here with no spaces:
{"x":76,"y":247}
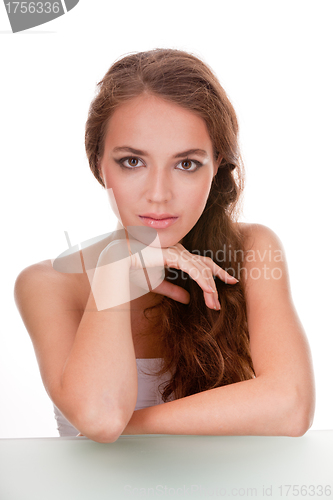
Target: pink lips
{"x":160,"y":215}
{"x":160,"y":223}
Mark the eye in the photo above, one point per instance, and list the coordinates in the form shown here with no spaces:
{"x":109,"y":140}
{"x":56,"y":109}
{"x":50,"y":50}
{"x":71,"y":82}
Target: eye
{"x":186,"y":165}
{"x":132,"y":162}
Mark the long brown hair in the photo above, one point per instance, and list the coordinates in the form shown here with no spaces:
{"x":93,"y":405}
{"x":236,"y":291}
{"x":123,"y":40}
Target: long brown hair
{"x":203,"y":348}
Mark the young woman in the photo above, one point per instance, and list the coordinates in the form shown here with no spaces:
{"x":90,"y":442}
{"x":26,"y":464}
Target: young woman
{"x":214,"y":348}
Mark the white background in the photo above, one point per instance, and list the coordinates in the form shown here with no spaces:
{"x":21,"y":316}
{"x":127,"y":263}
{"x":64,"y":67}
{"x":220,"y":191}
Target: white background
{"x":275,"y":61}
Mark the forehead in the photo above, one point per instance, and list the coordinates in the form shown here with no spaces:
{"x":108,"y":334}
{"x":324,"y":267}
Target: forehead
{"x":149,"y":119}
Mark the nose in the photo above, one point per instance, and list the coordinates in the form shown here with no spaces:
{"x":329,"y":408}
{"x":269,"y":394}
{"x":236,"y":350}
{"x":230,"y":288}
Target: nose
{"x":159,"y":186}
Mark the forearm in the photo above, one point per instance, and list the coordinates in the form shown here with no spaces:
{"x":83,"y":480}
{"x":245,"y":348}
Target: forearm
{"x":99,"y":380}
{"x":252,"y":407}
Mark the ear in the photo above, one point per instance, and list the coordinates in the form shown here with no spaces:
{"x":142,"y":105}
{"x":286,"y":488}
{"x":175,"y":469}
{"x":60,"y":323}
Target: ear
{"x":217,"y":163}
{"x":100,"y":172}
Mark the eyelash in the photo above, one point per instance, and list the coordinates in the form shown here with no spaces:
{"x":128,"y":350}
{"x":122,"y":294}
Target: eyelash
{"x":122,"y":160}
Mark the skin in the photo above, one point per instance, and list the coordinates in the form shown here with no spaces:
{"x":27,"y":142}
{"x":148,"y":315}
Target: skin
{"x":158,"y":182}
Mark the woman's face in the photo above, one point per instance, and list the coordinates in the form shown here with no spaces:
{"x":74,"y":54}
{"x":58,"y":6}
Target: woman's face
{"x":158,"y":158}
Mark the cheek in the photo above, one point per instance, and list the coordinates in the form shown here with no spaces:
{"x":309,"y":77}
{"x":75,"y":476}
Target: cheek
{"x":196,"y":196}
{"x":123,"y":200}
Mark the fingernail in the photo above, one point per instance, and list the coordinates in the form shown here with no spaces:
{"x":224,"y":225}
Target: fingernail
{"x":233,"y":277}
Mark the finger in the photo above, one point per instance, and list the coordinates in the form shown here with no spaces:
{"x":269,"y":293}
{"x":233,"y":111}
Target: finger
{"x":218,"y":271}
{"x":208,"y":271}
{"x":180,"y":295}
{"x":226,"y":277}
{"x":173,"y":291}
{"x":211,"y":297}
{"x":207,"y":267}
{"x":184,"y":260}
{"x":199,"y":272}
{"x":212,"y":300}
{"x":192,"y":263}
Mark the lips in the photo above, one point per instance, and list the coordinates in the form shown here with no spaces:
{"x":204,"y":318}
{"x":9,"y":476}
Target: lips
{"x":157,"y":216}
{"x":160,"y":223}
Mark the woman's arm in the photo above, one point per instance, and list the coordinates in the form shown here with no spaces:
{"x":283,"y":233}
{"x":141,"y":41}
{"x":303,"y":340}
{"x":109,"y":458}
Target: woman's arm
{"x":87,"y":362}
{"x":281,"y":399}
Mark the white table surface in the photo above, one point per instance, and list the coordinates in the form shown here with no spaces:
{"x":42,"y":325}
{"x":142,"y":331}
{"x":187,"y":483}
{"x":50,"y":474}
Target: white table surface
{"x":168,"y":466}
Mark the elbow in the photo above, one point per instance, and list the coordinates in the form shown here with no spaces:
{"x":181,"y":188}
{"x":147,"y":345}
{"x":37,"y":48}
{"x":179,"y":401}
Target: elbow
{"x":299,"y":417}
{"x":97,"y":425}
{"x":300,"y":424}
{"x":103,"y":435}
{"x":101,"y":431}
{"x":102,"y":422}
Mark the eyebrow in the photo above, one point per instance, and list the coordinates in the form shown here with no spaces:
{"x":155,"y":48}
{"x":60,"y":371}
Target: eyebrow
{"x":199,"y":152}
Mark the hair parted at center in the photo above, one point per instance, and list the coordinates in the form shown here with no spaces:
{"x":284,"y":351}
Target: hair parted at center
{"x":203,"y":348}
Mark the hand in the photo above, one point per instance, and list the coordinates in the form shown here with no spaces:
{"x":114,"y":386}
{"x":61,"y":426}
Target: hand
{"x":200,"y":268}
{"x":135,"y":257}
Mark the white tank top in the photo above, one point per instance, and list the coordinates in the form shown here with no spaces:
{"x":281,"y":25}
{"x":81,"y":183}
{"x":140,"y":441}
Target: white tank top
{"x":148,"y":393}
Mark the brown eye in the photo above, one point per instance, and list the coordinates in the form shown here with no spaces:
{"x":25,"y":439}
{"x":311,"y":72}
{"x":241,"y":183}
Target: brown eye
{"x":131,"y":162}
{"x":186,"y":164}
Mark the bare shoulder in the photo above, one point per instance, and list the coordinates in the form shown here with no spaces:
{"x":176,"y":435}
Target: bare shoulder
{"x":42,"y":281}
{"x":264,"y":261}
{"x":64,"y":278}
{"x":258,"y":234}
{"x":39,"y":274}
{"x":39,"y":271}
